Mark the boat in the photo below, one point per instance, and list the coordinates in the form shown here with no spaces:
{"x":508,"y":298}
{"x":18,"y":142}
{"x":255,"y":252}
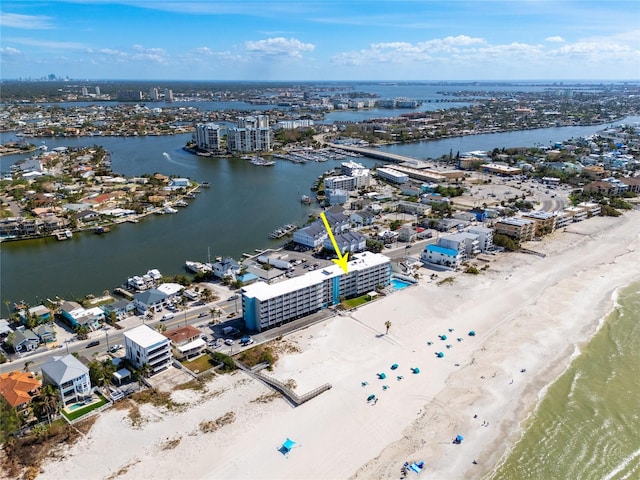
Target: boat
{"x":197,"y":267}
{"x":101,"y":230}
{"x":169,"y":209}
{"x":262,"y":162}
{"x":68,"y":233}
{"x":282,"y":231}
{"x":181,"y":203}
{"x":205,"y":185}
{"x":305,"y":199}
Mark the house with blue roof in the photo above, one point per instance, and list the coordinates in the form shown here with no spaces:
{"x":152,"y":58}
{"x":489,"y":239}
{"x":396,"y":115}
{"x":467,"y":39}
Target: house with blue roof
{"x":437,"y":255}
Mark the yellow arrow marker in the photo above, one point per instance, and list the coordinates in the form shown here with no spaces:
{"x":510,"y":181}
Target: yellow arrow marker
{"x":340,"y":261}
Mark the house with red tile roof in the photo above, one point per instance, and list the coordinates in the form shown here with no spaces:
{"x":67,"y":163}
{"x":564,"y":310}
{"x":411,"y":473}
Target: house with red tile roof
{"x":18,"y":388}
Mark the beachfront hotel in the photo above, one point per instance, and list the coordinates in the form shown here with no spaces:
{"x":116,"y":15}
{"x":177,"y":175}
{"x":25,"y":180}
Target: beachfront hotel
{"x":266,"y":306}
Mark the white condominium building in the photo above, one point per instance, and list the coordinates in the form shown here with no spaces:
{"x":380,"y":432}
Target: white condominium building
{"x":208,"y":137}
{"x":266,"y":306}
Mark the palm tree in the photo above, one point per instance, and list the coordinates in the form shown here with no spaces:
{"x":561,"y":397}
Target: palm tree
{"x":47,"y":401}
{"x":145,"y":370}
{"x":27,"y":364}
{"x":388,"y":325}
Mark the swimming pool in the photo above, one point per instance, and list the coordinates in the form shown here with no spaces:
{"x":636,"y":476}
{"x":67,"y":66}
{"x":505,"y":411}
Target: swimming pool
{"x":399,"y":284}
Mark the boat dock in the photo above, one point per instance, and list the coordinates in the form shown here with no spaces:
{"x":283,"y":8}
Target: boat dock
{"x":283,"y":231}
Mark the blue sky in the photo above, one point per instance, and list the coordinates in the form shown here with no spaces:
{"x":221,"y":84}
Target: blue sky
{"x":321,"y":40}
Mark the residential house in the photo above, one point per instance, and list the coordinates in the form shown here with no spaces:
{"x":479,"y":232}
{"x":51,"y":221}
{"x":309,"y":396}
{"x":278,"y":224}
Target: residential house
{"x":146,"y":346}
{"x":347,"y":242}
{"x":485,"y":237}
{"x":632,"y":183}
{"x":45,"y":332}
{"x":186,"y":341}
{"x":78,"y":316}
{"x":25,"y":341}
{"x":464,"y":242}
{"x":362,"y":218}
{"x":5,"y":329}
{"x":227,"y":267}
{"x":150,"y":300}
{"x":18,"y":388}
{"x":121,"y":308}
{"x":70,"y":376}
{"x":437,"y":255}
{"x":40,"y":313}
{"x":407,"y":234}
{"x":311,"y":236}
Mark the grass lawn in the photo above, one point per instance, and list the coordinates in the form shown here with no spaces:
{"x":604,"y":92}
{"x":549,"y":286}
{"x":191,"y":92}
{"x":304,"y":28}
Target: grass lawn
{"x":198,"y":365}
{"x":355,"y":302}
{"x":78,"y":412}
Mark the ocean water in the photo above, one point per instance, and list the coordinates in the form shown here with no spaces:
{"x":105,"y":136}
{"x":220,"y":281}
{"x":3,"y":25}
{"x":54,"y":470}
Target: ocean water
{"x":587,"y":426}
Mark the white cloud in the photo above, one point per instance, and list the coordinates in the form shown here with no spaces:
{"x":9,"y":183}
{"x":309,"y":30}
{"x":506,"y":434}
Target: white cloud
{"x":556,"y":39}
{"x":45,"y":43}
{"x":30,"y":22}
{"x":9,"y":51}
{"x":279,"y":46}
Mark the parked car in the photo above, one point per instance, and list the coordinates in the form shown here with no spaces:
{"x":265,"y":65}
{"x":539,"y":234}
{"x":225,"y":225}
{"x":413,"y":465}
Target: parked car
{"x":233,"y":297}
{"x":203,"y":314}
{"x":167,"y":316}
{"x":228,"y":341}
{"x":93,"y":343}
{"x":244,"y":341}
{"x":115,"y":348}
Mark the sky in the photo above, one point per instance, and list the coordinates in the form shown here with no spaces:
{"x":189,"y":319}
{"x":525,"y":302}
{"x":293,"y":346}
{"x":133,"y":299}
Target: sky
{"x":308,"y":40}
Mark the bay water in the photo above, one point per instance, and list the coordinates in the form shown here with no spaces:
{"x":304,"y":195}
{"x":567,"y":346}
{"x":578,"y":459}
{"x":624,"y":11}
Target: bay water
{"x":587,"y":426}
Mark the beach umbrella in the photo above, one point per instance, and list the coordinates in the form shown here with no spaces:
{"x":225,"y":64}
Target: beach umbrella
{"x":382,"y":376}
{"x":415,"y":370}
{"x":443,"y":337}
{"x":459,"y":438}
{"x":472,"y":333}
{"x":394,"y":366}
{"x":440,"y":354}
{"x":370,"y":397}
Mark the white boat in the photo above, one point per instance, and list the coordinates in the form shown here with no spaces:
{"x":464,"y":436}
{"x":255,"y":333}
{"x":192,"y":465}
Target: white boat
{"x":68,"y":233}
{"x":197,"y":267}
{"x":169,"y":209}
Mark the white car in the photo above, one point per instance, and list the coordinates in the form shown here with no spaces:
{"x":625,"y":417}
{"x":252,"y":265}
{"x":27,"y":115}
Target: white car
{"x":115,"y":348}
{"x":228,"y":341}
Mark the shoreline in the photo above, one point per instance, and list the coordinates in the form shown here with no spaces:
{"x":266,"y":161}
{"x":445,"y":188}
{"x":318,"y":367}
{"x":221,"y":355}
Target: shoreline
{"x":547,"y":307}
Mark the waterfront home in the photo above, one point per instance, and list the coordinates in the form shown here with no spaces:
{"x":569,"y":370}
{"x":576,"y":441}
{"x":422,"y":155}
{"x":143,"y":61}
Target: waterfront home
{"x":177,"y":183}
{"x":45,"y":332}
{"x":311,"y":236}
{"x":77,"y":315}
{"x":465,"y":243}
{"x":40,"y":313}
{"x":18,"y":388}
{"x":186,"y":342}
{"x":437,"y":255}
{"x":121,"y":308}
{"x":25,"y":341}
{"x":337,"y":196}
{"x":150,"y":300}
{"x":173,"y":291}
{"x":146,"y":346}
{"x":485,"y":237}
{"x":227,"y":267}
{"x":70,"y":376}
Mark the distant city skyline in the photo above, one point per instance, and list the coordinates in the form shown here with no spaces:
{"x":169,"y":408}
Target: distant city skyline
{"x":286,"y":40}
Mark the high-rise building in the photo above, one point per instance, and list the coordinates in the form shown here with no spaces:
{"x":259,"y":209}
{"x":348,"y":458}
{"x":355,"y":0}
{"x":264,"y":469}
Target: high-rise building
{"x":252,"y":134}
{"x":208,"y":137}
{"x":153,"y":93}
{"x":168,"y":95}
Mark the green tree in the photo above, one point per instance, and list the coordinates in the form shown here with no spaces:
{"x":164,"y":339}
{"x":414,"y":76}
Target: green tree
{"x":10,"y":420}
{"x":46,"y":403}
{"x":82,"y":331}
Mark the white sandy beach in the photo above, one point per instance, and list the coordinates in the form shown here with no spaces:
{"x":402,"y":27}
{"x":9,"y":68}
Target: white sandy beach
{"x":529,"y":313}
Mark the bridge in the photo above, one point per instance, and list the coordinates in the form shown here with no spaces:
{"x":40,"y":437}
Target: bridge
{"x":375,"y":153}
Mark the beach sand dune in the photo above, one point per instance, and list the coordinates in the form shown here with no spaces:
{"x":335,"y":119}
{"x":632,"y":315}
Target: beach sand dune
{"x":530,"y":314}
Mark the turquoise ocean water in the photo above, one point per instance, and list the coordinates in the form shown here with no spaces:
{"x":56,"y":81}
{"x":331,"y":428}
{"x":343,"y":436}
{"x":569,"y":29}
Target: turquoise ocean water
{"x":588,"y":424}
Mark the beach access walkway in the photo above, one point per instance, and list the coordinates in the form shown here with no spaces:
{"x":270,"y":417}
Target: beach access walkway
{"x":292,"y":397}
